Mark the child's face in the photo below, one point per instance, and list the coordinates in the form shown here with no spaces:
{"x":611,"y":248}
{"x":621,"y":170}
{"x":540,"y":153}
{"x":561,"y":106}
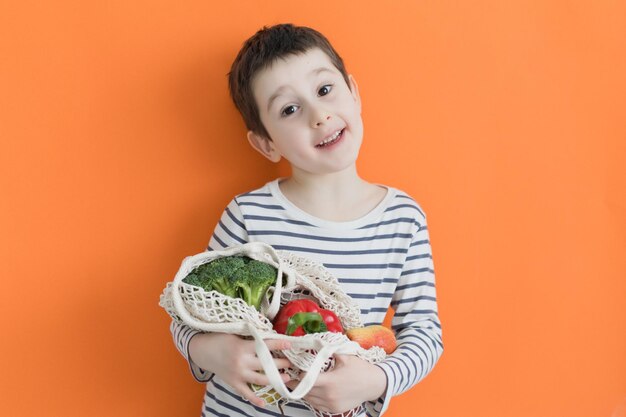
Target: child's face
{"x":312,"y":116}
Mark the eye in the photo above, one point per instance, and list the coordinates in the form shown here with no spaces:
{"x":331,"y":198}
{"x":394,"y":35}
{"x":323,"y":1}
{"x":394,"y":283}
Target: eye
{"x":288,"y":110}
{"x":325,"y":89}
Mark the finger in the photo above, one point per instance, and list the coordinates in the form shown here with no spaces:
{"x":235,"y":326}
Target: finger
{"x":257,"y":378}
{"x":340,"y":359}
{"x":292,"y":384}
{"x":277,"y":344}
{"x":314,"y":391}
{"x":281,"y":363}
{"x":249,"y":395}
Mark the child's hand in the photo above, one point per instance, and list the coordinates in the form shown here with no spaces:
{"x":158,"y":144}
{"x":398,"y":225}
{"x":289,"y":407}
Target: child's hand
{"x":351,"y":382}
{"x":234,"y":360}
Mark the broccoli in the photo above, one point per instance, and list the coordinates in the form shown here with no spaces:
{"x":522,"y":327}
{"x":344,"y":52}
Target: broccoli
{"x":235,"y":276}
{"x":253,"y":280}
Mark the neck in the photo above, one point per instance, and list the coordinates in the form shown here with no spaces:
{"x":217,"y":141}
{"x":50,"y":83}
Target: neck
{"x":337,"y":186}
{"x":340,"y":196}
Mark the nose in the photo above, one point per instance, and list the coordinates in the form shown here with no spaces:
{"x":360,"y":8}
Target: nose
{"x":319,"y":117}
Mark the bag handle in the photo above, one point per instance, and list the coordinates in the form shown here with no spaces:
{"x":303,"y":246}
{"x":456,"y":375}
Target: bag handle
{"x":324,"y":349}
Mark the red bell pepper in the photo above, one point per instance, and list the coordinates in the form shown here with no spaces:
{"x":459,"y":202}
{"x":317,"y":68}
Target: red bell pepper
{"x":300,"y":317}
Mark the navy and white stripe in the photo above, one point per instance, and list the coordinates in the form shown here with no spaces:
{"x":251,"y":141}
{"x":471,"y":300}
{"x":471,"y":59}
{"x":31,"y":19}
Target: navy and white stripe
{"x":382,"y":260}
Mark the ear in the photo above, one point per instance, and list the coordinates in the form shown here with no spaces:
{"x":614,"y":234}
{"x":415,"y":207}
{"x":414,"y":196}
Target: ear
{"x":354,"y":88}
{"x":264,"y":146}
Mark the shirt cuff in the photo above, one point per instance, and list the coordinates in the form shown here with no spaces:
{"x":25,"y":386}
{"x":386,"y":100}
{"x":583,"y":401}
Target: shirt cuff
{"x":198,"y":373}
{"x":378,"y":407}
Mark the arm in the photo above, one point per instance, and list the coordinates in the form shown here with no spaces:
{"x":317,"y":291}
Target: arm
{"x":416,"y":323}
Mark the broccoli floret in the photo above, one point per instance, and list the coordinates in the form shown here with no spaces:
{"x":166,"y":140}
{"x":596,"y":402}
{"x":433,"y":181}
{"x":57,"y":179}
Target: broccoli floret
{"x":235,"y":276}
{"x":217,"y":275}
{"x":193,"y":279}
{"x":253,"y":281}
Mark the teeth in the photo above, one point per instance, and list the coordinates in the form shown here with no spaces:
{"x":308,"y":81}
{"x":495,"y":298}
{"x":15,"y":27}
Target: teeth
{"x":330,"y":139}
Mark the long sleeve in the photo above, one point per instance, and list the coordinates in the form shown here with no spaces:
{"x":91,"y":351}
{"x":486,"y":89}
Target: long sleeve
{"x":229,"y":231}
{"x":416,"y":322}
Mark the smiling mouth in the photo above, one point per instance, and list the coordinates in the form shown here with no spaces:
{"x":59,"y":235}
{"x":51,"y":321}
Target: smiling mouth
{"x":331,"y":140}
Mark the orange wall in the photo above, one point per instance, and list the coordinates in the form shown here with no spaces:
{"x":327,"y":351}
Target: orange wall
{"x":119,"y":148}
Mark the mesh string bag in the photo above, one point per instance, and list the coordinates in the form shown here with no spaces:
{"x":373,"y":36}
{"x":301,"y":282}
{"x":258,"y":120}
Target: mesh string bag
{"x":297,"y":278}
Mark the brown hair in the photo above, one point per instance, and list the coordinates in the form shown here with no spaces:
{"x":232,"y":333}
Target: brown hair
{"x":259,"y":52}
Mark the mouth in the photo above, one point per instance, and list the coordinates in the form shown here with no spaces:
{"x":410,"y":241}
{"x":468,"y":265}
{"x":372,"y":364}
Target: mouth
{"x":332,"y":139}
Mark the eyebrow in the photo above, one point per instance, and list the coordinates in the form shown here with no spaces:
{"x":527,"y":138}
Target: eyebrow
{"x":280,"y":89}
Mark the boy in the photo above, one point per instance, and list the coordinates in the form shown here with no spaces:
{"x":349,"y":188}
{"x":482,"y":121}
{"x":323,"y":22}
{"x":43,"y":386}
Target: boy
{"x":299,"y":103}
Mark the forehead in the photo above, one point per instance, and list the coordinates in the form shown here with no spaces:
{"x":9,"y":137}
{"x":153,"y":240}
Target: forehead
{"x":289,"y":72}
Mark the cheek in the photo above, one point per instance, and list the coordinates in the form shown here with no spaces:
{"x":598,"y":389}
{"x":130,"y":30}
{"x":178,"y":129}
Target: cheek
{"x":353,"y":108}
{"x":357,"y":122}
{"x":285,"y":137}
{"x":275,"y":130}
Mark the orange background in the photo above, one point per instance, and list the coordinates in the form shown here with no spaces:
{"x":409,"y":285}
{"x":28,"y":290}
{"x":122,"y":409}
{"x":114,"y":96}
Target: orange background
{"x":120,"y":148}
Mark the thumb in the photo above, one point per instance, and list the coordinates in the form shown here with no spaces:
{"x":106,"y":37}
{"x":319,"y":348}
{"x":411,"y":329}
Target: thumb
{"x":340,"y":360}
{"x":293,"y":383}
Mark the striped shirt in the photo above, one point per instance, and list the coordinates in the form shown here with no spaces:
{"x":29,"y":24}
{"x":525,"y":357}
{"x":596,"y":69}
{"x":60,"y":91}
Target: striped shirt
{"x":382,"y":260}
